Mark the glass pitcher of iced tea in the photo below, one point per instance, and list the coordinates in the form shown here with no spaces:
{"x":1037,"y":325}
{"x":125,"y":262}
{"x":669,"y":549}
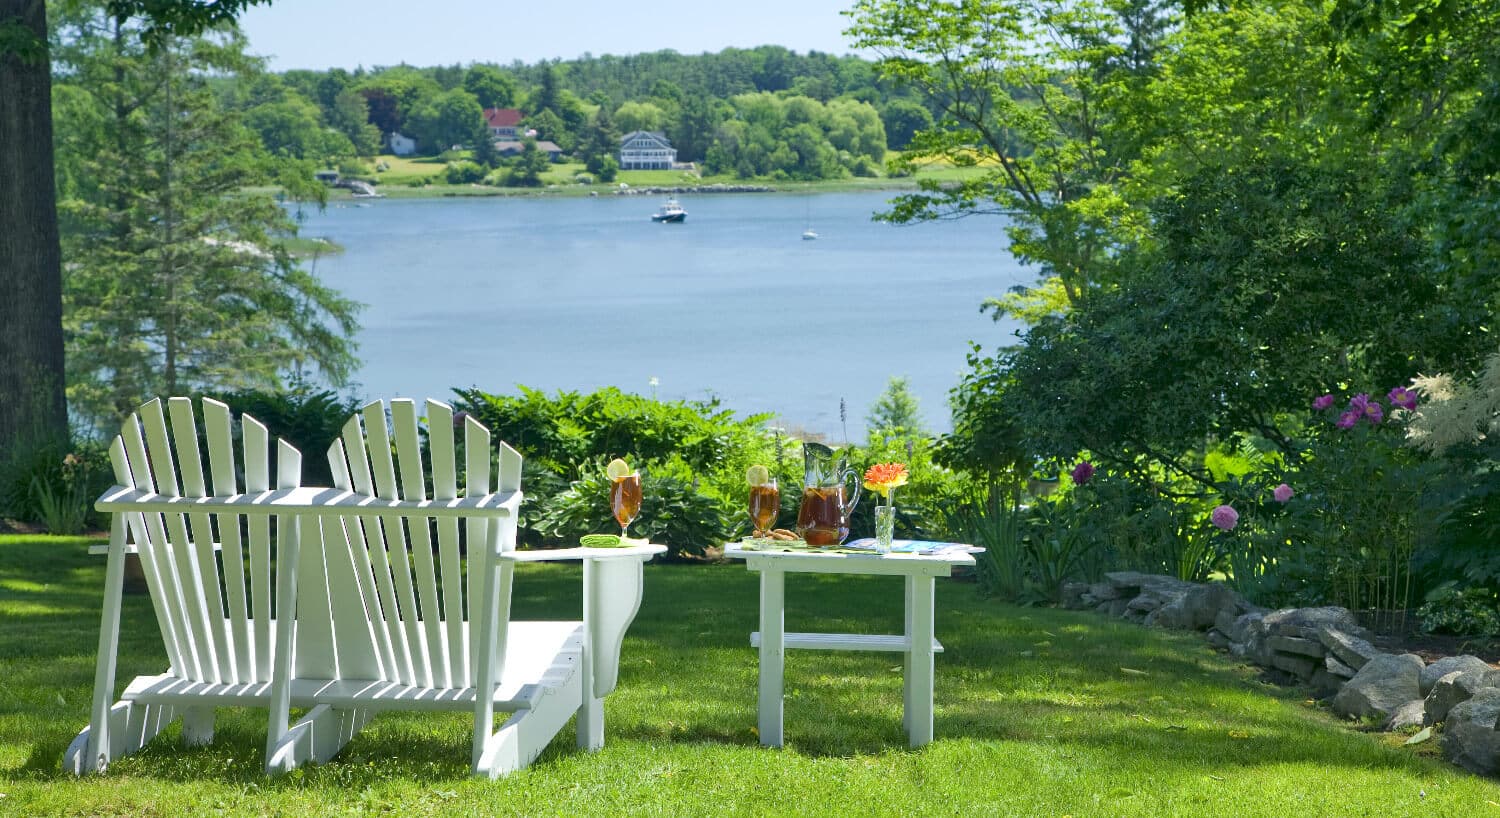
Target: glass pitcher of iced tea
{"x":830,"y":490}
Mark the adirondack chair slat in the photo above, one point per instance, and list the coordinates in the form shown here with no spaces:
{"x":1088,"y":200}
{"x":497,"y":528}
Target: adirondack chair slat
{"x":476,"y":531}
{"x":218,"y":428}
{"x":190,"y":464}
{"x":154,"y":562}
{"x":256,"y":442}
{"x":355,"y":646}
{"x":445,"y":487}
{"x":170,"y":531}
{"x":413,"y":487}
{"x":376,"y":598}
{"x":383,"y":474}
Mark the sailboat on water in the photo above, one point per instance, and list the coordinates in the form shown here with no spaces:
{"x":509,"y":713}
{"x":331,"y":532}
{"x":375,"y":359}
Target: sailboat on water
{"x":809,"y":234}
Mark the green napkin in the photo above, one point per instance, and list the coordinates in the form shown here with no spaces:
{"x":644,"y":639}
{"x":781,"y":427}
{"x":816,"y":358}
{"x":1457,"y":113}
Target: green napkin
{"x":605,"y":541}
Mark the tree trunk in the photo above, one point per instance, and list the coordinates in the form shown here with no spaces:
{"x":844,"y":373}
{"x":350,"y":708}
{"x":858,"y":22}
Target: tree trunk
{"x":32,"y":402}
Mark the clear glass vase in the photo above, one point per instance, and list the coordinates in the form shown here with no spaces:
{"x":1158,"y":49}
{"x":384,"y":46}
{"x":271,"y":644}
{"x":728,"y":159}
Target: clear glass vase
{"x":885,"y":528}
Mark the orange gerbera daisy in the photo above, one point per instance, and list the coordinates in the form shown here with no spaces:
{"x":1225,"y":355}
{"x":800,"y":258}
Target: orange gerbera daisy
{"x":882,"y":477}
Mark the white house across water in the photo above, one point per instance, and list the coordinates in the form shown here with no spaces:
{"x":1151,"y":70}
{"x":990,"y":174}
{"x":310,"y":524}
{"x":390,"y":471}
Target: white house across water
{"x":646,"y":150}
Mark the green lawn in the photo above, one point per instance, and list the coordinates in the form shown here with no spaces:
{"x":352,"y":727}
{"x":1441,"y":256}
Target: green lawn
{"x":1036,"y":714}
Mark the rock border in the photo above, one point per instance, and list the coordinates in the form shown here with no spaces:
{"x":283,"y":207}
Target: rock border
{"x":1323,"y":648}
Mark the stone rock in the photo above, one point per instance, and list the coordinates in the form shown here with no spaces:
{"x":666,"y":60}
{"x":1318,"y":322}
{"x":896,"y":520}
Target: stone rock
{"x":1104,"y":591}
{"x":1338,"y":668}
{"x":1145,"y":603}
{"x":1117,"y":607}
{"x":1300,"y":666}
{"x":1456,"y":688}
{"x":1407,"y":715}
{"x":1224,"y":621}
{"x":1297,"y":645}
{"x":1126,"y":580}
{"x":1446,"y":665}
{"x":1198,"y":608}
{"x":1239,"y":650}
{"x":1217,"y":639}
{"x":1470,"y":739}
{"x":1305,"y":622}
{"x":1240,"y":628}
{"x":1073,"y":595}
{"x":1351,"y":650}
{"x":1382,"y":685}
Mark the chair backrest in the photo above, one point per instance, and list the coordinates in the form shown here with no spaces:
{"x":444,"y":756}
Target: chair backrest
{"x":215,"y":615}
{"x":377,"y":599}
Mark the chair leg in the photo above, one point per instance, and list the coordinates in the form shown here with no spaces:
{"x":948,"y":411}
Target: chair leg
{"x":197,"y":726}
{"x":591,"y":710}
{"x":527,"y":733}
{"x":318,"y":737}
{"x":128,"y":727}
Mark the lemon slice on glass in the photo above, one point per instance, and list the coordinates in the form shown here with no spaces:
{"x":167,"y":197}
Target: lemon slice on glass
{"x":757,"y":475}
{"x":617,"y":469}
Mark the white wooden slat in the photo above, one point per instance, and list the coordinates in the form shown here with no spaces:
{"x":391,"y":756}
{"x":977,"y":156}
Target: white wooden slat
{"x":393,"y":530}
{"x":369,"y":566}
{"x":351,"y":637}
{"x":445,"y":487}
{"x":413,"y":487}
{"x":171,"y":533}
{"x":136,"y":522}
{"x":393,"y":617}
{"x":314,"y":655}
{"x":256,"y":448}
{"x":190,"y":464}
{"x":288,"y":465}
{"x":377,"y":444}
{"x":217,"y":427}
{"x":510,"y":481}
{"x":476,"y":531}
{"x":844,"y":641}
{"x":359,"y":459}
{"x":338,"y":465}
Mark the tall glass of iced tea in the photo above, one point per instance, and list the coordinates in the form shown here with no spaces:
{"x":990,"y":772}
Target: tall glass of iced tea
{"x":624,"y":494}
{"x":765,"y":502}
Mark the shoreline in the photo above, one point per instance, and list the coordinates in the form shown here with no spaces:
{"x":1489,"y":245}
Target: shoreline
{"x":475,"y":190}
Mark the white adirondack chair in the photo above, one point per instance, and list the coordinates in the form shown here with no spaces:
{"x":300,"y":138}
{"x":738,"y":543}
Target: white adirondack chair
{"x":217,"y":620}
{"x":386,"y":620}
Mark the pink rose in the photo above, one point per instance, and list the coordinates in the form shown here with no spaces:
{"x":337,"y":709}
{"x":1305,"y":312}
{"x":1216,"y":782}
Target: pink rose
{"x":1225,"y":517}
{"x":1282,"y":493}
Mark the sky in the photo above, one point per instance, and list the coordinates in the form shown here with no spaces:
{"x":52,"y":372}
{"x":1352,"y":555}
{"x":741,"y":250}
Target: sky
{"x":324,"y":34}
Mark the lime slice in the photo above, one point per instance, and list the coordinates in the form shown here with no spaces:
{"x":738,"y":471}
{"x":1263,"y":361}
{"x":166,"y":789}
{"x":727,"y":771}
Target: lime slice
{"x":757,"y":475}
{"x":617,"y":469}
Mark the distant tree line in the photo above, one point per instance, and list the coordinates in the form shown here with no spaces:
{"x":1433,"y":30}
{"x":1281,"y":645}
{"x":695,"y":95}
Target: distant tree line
{"x":762,"y":112}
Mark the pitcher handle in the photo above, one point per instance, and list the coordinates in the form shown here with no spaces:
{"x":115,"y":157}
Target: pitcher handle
{"x":854,"y":495}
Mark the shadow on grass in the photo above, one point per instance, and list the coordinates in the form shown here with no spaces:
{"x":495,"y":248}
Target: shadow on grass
{"x":1042,"y":681}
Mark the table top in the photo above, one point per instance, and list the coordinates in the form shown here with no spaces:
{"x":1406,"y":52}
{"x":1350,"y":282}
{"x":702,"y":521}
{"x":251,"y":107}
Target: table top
{"x":637,"y":551}
{"x":851,"y":562}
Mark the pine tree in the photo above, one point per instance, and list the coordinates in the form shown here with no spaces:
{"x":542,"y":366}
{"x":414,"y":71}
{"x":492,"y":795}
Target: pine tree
{"x":896,"y":412}
{"x":177,"y":280}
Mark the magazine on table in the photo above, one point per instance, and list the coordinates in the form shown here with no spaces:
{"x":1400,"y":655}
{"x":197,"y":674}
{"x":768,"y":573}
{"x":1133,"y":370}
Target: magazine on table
{"x":924,"y":547}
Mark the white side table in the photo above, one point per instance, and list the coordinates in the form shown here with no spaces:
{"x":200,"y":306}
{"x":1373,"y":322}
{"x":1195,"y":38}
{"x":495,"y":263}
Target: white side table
{"x":918,"y":643}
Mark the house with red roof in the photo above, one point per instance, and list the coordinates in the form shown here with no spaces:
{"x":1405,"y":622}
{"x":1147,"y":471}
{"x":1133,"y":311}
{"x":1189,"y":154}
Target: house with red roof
{"x":504,"y":123}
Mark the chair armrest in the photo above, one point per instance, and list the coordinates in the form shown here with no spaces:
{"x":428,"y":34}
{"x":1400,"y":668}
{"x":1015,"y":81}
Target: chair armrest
{"x":639,"y":552}
{"x":314,"y":500}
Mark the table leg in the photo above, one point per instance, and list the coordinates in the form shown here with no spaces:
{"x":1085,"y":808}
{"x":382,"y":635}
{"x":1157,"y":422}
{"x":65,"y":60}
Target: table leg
{"x":910,"y":582}
{"x":772,"y":654}
{"x":919,"y":661}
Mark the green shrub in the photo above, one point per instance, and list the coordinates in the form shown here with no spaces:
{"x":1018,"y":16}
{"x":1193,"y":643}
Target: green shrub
{"x":55,"y":483}
{"x":1467,"y":612}
{"x":672,"y":513}
{"x":464,"y":172}
{"x":309,"y":420}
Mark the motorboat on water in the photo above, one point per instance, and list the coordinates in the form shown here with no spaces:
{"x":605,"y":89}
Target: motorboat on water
{"x":671,"y":211}
{"x":809,"y":234}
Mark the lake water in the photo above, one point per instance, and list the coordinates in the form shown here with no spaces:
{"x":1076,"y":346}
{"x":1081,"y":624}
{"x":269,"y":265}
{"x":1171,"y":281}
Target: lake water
{"x":578,"y":293}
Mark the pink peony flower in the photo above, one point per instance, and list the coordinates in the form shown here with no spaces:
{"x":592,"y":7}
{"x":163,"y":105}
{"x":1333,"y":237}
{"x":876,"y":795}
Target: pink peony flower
{"x":1358,"y":403}
{"x":1348,"y":419}
{"x":1282,"y":493}
{"x":1322,"y":402}
{"x":1083,"y":472}
{"x":1225,"y":517}
{"x":1374,"y":413}
{"x":1403,"y":397}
